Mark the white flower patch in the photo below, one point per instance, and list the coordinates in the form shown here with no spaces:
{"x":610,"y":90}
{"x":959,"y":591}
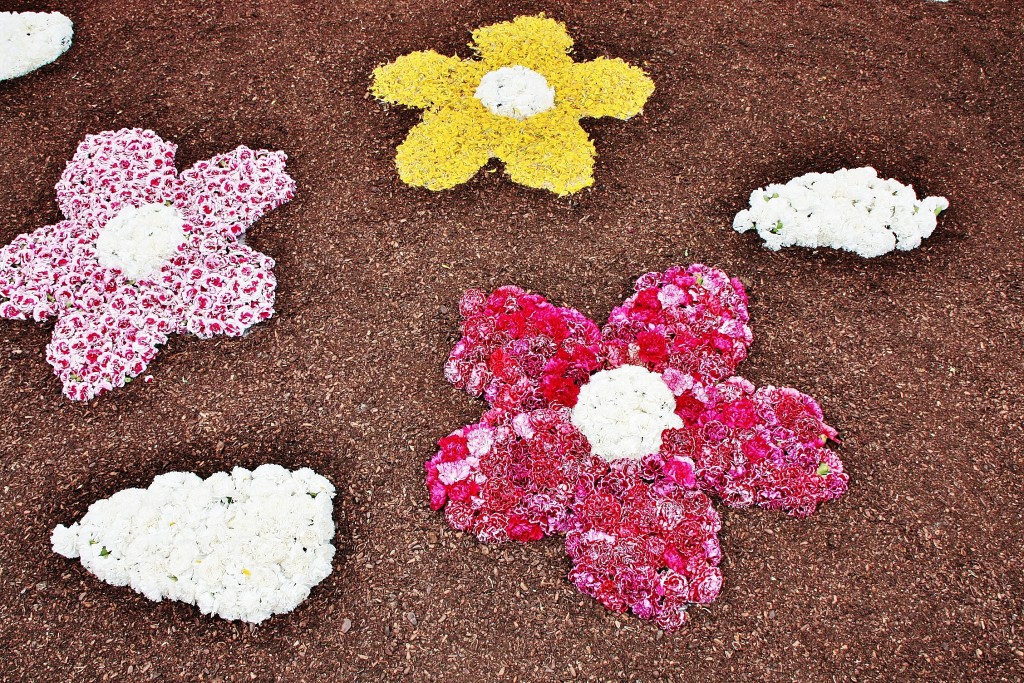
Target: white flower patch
{"x":244,"y":545}
{"x":138,"y":241}
{"x":516,"y":92}
{"x":623,"y":412}
{"x":850,"y":209}
{"x":29,"y":40}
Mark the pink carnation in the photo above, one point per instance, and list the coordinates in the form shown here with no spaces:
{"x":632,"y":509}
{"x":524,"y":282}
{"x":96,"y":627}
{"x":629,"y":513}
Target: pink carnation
{"x":640,"y":530}
{"x":109,"y":325}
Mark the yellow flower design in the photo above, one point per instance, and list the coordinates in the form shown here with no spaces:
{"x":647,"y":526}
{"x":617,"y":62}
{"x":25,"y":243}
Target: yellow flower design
{"x":521,"y":102}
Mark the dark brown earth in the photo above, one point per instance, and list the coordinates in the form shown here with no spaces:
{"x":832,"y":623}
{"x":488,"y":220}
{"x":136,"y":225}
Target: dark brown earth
{"x":916,"y":357}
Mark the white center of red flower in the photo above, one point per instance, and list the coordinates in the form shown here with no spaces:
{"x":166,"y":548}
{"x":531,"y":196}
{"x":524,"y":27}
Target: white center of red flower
{"x":138,"y":241}
{"x":623,"y":412}
{"x":516,"y":92}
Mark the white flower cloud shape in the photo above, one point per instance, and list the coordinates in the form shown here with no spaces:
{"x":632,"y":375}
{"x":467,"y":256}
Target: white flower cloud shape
{"x":29,"y":40}
{"x":240,"y":545}
{"x":850,"y":209}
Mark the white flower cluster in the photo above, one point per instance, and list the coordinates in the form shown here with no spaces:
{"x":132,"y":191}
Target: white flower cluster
{"x":623,"y":412}
{"x":138,"y":241}
{"x":29,"y":40}
{"x":515,"y":92}
{"x":244,"y":545}
{"x":850,"y":209}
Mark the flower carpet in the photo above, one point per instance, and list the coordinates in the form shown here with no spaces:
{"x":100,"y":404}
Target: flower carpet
{"x":250,"y":252}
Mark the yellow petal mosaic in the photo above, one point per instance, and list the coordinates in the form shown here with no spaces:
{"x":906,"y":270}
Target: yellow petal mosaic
{"x":521,"y":102}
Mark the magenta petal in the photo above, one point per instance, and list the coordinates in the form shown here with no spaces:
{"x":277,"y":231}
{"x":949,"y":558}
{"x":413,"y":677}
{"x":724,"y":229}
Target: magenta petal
{"x":646,"y":546}
{"x":692,"y":321}
{"x":232,"y":191}
{"x":113,"y":169}
{"x":521,"y":352}
{"x":220,"y":287}
{"x":510,"y":476}
{"x":765,"y":448}
{"x":94,"y":351}
{"x":34,"y":280}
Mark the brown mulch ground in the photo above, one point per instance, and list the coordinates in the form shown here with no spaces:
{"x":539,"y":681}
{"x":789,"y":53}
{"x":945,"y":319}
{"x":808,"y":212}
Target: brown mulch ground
{"x":916,"y":357}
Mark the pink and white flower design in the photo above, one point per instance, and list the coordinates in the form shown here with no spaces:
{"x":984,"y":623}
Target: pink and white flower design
{"x":618,"y":437}
{"x":145,"y":252}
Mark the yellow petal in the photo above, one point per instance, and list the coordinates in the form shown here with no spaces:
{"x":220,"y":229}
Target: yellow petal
{"x":447,"y":149}
{"x":534,"y":42}
{"x":420,"y":79}
{"x":550,"y":151}
{"x":606,"y":87}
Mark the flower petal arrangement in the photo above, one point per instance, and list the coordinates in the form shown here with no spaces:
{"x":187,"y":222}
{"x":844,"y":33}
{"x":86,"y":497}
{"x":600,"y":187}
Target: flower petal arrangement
{"x":520,"y":102}
{"x":145,"y":252}
{"x":240,"y":545}
{"x":30,"y":40}
{"x":851,"y":209}
{"x":619,"y":437}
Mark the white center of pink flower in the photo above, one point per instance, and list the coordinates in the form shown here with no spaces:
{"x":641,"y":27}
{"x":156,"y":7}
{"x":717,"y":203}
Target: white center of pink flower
{"x":516,"y":92}
{"x":623,"y":412}
{"x":138,"y":241}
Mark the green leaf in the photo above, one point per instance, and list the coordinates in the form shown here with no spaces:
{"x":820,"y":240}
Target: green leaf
{"x":104,"y":552}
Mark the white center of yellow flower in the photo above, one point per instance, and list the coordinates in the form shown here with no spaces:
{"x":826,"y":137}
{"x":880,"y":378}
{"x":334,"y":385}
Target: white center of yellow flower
{"x":138,"y":241}
{"x":623,"y":412}
{"x":516,"y":92}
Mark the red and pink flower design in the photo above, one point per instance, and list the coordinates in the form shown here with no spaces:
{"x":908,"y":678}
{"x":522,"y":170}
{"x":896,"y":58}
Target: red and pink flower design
{"x":629,"y":476}
{"x":110,"y":320}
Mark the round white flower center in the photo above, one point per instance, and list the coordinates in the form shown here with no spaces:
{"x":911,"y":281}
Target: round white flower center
{"x":138,"y":241}
{"x":516,"y":92}
{"x":623,"y":412}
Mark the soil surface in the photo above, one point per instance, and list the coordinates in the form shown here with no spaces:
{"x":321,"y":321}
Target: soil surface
{"x":915,"y":357}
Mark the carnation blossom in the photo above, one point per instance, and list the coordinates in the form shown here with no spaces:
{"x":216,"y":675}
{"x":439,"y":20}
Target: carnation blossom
{"x":239,"y":545}
{"x":145,"y":252}
{"x":29,"y":40}
{"x":620,"y":437}
{"x":851,"y":209}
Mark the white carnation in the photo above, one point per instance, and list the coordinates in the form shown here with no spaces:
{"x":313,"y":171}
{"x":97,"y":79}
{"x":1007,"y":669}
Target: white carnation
{"x":623,"y":412}
{"x":244,"y":545}
{"x":515,"y":92}
{"x":29,"y":40}
{"x":138,"y":241}
{"x":850,"y":209}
